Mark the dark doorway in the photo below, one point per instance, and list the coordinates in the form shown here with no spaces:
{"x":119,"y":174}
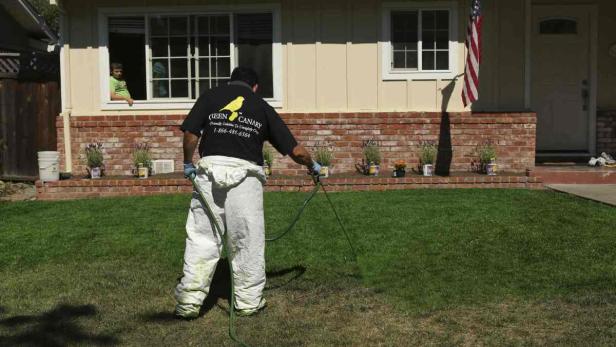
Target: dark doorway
{"x":127,"y":46}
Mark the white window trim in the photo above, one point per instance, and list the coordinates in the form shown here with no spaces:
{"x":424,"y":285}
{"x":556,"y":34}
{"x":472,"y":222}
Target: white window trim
{"x":388,"y":73}
{"x":181,"y":104}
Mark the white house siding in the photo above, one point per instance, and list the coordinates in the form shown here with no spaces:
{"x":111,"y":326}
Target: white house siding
{"x":331,"y":57}
{"x":502,"y":71}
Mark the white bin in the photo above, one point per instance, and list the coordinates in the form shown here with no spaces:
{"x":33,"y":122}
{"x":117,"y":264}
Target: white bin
{"x":49,"y":166}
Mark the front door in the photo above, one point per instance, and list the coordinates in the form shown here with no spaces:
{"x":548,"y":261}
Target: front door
{"x":560,"y":89}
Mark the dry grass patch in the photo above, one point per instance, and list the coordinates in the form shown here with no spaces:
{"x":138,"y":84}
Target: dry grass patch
{"x":356,"y":316}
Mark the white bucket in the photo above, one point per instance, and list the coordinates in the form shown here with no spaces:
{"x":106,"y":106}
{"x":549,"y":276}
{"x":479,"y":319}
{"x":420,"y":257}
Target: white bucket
{"x":49,"y":166}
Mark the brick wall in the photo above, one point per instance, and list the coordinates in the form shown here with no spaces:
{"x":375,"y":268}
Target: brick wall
{"x":125,"y":186}
{"x":119,"y":135}
{"x":606,"y":132}
{"x":398,"y":134}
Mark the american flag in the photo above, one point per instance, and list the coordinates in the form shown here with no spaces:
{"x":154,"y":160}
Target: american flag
{"x":470,"y":93}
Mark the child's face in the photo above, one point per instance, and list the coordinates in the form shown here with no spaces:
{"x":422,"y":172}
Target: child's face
{"x":117,"y":73}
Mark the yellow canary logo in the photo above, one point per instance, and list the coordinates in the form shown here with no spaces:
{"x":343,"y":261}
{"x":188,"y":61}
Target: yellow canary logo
{"x":233,"y":107}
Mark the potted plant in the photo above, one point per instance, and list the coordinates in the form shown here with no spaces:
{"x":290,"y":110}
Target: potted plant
{"x":142,"y":160}
{"x":487,"y":158}
{"x":268,"y":160}
{"x":94,"y":159}
{"x":372,"y":154}
{"x":427,"y":157}
{"x":399,"y":168}
{"x":324,"y":156}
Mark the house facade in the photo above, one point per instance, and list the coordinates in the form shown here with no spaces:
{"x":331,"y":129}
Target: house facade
{"x":342,"y":72}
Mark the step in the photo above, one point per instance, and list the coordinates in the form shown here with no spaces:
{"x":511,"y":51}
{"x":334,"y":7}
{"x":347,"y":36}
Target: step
{"x":575,"y":174}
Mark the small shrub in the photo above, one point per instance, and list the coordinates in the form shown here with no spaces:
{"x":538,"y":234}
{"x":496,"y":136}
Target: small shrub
{"x":371,"y":152}
{"x":323,"y":156}
{"x":427,"y":152}
{"x":268,"y":156}
{"x":94,"y":154}
{"x":141,"y":155}
{"x":486,"y":153}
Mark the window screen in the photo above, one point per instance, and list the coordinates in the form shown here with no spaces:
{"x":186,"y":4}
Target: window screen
{"x":169,"y":37}
{"x":214,"y":51}
{"x":435,"y":39}
{"x":404,"y":40}
{"x":254,"y":47}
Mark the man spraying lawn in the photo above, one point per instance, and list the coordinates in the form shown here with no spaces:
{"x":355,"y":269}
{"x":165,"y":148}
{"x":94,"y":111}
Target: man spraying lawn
{"x":233,"y":123}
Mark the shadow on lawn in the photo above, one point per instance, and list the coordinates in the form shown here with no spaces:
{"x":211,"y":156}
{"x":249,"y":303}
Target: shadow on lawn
{"x":221,"y":286}
{"x":57,"y":327}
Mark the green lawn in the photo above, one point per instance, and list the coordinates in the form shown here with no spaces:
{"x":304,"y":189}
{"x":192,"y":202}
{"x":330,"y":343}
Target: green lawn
{"x":435,"y":267}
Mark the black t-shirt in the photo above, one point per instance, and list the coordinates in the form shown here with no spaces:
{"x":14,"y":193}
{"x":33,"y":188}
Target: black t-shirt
{"x":235,"y":122}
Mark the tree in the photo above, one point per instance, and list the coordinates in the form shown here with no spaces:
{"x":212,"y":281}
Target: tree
{"x":50,"y":13}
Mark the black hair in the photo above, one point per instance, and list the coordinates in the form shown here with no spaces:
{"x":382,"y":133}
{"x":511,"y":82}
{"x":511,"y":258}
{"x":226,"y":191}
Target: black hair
{"x":245,"y":74}
{"x":116,"y":66}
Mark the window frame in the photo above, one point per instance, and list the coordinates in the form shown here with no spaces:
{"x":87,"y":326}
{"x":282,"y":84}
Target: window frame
{"x":182,"y":103}
{"x":554,"y":18}
{"x":387,"y":71}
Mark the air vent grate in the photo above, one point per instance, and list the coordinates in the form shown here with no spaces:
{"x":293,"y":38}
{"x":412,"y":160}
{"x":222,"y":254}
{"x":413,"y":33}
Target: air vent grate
{"x":162,"y":166}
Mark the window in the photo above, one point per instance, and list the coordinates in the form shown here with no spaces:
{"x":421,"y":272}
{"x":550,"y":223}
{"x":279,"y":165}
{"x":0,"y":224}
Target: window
{"x":558,"y":27}
{"x":174,"y":57}
{"x":418,"y":43}
{"x":405,"y":40}
{"x":254,"y":47}
{"x":126,"y":33}
{"x":189,"y":54}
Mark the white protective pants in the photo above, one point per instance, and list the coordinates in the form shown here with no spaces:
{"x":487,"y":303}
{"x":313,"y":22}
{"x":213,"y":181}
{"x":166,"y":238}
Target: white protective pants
{"x":238,"y":208}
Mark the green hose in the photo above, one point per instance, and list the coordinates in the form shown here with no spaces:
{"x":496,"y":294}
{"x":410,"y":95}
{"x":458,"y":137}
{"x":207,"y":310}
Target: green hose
{"x":298,"y":214}
{"x":232,"y":316}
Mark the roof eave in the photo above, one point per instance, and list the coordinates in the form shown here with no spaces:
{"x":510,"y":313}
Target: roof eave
{"x":32,"y":21}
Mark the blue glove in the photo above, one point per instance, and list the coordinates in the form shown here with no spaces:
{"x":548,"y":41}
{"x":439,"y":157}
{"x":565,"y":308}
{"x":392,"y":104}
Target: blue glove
{"x":190,"y":171}
{"x":316,"y":168}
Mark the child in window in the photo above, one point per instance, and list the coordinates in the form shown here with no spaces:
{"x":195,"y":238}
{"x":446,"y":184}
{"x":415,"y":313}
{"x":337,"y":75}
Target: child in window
{"x":117,"y":85}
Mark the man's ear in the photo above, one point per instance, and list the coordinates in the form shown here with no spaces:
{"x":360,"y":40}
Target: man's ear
{"x":255,"y":88}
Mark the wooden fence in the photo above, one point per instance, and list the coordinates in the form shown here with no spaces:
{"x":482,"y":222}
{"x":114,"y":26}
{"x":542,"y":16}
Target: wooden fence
{"x":28,"y":111}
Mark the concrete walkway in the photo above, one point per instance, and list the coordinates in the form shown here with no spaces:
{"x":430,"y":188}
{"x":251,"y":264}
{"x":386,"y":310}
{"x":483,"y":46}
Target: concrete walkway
{"x":605,"y":193}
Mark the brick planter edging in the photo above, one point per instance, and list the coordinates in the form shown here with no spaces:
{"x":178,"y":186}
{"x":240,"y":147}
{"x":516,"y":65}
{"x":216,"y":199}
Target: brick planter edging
{"x":398,"y":134}
{"x":87,"y":188}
